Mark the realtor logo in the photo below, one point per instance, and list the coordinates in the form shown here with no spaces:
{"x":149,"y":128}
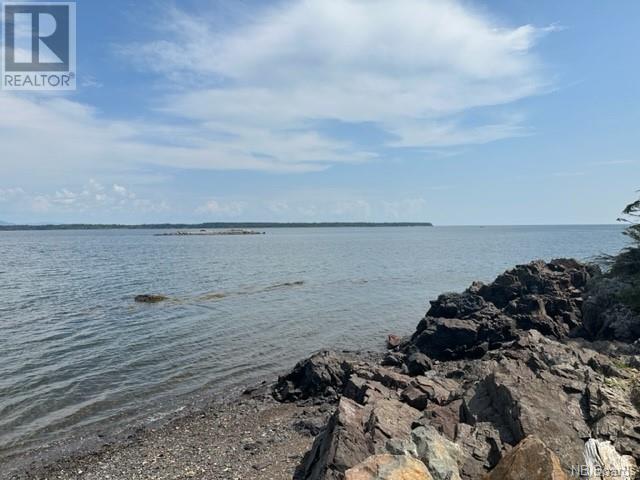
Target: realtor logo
{"x":39,"y":46}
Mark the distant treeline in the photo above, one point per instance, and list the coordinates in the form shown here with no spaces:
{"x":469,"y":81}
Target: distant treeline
{"x":206,"y":226}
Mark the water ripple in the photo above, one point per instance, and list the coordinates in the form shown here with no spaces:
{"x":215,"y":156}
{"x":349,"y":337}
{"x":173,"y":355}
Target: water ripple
{"x":77,"y":353}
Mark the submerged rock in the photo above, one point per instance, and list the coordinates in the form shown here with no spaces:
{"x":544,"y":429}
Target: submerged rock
{"x":150,"y":298}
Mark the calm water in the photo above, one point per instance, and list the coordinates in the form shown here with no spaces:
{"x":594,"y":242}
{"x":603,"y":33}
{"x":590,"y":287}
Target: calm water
{"x":77,"y":354}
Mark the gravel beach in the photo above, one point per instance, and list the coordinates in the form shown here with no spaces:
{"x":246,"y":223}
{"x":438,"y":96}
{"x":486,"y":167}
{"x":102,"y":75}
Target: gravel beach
{"x":251,"y":438}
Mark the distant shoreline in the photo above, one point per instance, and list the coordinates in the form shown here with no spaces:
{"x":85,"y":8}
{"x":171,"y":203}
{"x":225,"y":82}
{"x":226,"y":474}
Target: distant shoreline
{"x":183,"y":226}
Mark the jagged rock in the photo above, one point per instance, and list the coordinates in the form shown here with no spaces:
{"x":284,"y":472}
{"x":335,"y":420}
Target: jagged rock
{"x":396,"y":446}
{"x":612,"y":415}
{"x":393,"y":359}
{"x":366,"y":391}
{"x":606,"y":317}
{"x":354,"y":433}
{"x":389,"y":467}
{"x":451,"y":338}
{"x":635,"y":394}
{"x":530,"y":460}
{"x":323,"y":375}
{"x":432,"y":389}
{"x":542,"y":296}
{"x":515,"y":396}
{"x":386,"y":376}
{"x":418,"y":364}
{"x":441,"y":456}
{"x":602,"y":461}
{"x":484,"y":447}
{"x":558,"y":279}
{"x":456,"y":305}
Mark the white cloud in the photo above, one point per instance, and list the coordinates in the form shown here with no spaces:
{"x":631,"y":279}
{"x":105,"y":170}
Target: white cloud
{"x":8,"y":194}
{"x":91,"y":198}
{"x":406,"y":65}
{"x":257,"y":92}
{"x":123,"y":192}
{"x":335,"y":204}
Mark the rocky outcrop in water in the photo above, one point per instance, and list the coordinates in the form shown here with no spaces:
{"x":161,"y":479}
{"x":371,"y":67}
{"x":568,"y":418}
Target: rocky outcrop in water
{"x":508,"y":380}
{"x":150,"y":298}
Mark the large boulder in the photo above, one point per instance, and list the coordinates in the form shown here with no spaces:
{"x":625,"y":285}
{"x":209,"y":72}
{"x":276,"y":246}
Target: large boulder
{"x":441,"y":456}
{"x":530,"y":460}
{"x":354,"y":433}
{"x":389,"y":467}
{"x":324,"y":375}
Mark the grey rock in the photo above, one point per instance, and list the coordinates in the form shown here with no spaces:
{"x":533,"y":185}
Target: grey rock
{"x":441,"y":456}
{"x":606,"y":317}
{"x":603,"y":461}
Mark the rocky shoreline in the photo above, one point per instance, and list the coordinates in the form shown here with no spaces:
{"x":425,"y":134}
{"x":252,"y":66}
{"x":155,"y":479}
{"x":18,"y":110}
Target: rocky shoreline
{"x":534,"y":376}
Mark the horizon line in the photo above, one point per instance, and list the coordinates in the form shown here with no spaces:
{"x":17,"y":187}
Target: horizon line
{"x":214,"y":225}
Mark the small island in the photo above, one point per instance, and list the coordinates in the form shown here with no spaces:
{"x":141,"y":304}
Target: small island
{"x":214,"y":233}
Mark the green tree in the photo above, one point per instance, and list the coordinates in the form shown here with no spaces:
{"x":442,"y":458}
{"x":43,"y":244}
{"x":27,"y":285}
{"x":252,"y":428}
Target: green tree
{"x":627,"y":262}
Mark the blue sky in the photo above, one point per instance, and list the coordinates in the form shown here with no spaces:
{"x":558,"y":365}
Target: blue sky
{"x":455,"y":112}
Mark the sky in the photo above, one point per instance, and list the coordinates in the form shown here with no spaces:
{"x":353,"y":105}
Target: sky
{"x":449,"y":111}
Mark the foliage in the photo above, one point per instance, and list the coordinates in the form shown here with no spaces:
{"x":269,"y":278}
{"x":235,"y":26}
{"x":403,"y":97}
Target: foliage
{"x":627,"y":262}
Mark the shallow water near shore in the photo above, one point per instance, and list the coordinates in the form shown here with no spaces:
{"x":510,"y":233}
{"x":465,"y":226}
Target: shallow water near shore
{"x":77,"y":353}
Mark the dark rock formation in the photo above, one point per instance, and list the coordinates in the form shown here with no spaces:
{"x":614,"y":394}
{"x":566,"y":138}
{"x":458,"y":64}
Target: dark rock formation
{"x":150,"y":298}
{"x":543,"y":296}
{"x":324,"y":375}
{"x":486,"y":372}
{"x":606,"y":317}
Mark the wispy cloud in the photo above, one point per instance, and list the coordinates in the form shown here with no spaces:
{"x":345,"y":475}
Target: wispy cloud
{"x":93,"y":197}
{"x":408,"y":66}
{"x":259,"y":94}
